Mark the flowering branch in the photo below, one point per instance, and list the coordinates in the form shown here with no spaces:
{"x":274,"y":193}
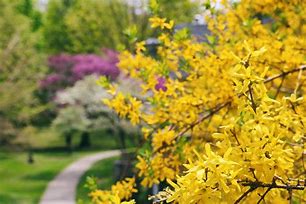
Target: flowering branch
{"x":302,"y":67}
{"x":252,"y":98}
{"x":214,"y":111}
{"x":257,"y":184}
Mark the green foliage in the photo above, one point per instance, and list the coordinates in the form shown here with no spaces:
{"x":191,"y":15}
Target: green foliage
{"x":54,"y":30}
{"x":77,"y":26}
{"x":91,"y":183}
{"x":104,"y":171}
{"x":181,"y":11}
{"x":182,"y":34}
{"x":20,"y":68}
{"x":26,"y":8}
{"x":86,"y":26}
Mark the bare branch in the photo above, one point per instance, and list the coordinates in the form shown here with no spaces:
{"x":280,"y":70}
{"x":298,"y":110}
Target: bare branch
{"x":264,"y":195}
{"x":245,"y":194}
{"x":279,"y":87}
{"x":302,"y":67}
{"x":259,"y":184}
{"x":253,"y":104}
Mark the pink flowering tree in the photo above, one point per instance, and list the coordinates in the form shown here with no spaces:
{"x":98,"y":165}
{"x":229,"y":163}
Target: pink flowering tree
{"x":65,"y":70}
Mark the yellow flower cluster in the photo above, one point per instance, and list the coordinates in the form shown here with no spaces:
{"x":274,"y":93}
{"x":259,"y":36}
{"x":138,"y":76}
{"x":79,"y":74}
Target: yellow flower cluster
{"x":120,"y":191}
{"x":161,"y":22}
{"x":225,"y":119}
{"x":158,"y":168}
{"x":125,"y":106}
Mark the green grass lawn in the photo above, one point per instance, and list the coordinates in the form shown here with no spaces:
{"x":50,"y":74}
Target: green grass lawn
{"x":103,"y":170}
{"x":48,"y":138}
{"x":23,"y":183}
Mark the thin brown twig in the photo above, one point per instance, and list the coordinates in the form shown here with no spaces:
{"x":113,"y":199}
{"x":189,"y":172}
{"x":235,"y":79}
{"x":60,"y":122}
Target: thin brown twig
{"x":290,"y":196}
{"x":303,"y":162}
{"x":279,"y":87}
{"x":302,"y":67}
{"x":217,"y":109}
{"x":235,"y":136}
{"x":245,"y":194}
{"x":253,"y":104}
{"x":259,"y":184}
{"x":262,"y":197}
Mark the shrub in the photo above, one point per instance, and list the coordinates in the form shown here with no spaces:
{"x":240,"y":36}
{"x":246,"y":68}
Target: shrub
{"x":229,"y":126}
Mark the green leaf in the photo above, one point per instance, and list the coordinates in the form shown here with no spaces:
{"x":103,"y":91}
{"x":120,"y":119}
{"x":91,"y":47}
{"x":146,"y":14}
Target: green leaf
{"x":182,"y":34}
{"x":91,"y":183}
{"x":154,"y":6}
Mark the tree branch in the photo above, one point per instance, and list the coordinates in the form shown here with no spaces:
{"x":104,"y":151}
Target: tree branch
{"x":214,"y":111}
{"x":245,"y":194}
{"x":221,"y":106}
{"x":253,"y":104}
{"x":263,"y":196}
{"x":257,"y":184}
{"x":279,"y":87}
{"x":302,"y":67}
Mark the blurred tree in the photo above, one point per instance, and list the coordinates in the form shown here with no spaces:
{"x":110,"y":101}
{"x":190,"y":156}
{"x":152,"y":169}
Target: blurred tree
{"x":66,"y":69}
{"x":21,"y":66}
{"x":54,"y":29}
{"x":93,"y":24}
{"x":77,"y":26}
{"x":81,"y":110}
{"x":27,"y":8}
{"x":181,"y":11}
{"x":70,"y":121}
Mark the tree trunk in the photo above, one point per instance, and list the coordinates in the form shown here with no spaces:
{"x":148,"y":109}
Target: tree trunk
{"x":85,"y":140}
{"x":68,"y":140}
{"x":30,"y":157}
{"x":121,"y":134}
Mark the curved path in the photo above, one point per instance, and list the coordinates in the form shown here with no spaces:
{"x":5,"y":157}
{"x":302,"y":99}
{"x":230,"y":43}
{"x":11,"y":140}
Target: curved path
{"x":62,"y":189}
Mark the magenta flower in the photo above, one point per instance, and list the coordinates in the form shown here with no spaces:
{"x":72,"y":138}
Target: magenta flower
{"x":66,"y":69}
{"x":161,"y":81}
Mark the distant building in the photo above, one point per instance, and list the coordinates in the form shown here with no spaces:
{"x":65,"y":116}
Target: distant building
{"x":199,"y":31}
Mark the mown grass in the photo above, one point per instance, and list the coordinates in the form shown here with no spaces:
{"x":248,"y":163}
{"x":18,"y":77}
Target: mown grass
{"x":24,"y":183}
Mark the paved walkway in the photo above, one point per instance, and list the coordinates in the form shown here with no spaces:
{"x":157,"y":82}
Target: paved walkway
{"x":62,"y":189}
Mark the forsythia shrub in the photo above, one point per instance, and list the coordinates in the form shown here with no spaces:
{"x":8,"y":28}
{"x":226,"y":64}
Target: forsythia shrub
{"x":224,"y":120}
{"x":121,"y":190}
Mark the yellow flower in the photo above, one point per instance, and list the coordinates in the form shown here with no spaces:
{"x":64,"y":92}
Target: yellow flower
{"x":161,"y":22}
{"x":225,"y":120}
{"x":140,"y":46}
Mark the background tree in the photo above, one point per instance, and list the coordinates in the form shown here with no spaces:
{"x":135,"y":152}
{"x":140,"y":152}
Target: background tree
{"x":27,"y":8}
{"x":65,"y":70}
{"x":76,"y":26}
{"x":181,"y":11}
{"x":54,"y":29}
{"x":86,"y":96}
{"x":20,"y":68}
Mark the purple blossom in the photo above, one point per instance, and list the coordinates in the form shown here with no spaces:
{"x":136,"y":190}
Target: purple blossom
{"x":66,"y":69}
{"x":93,"y":64}
{"x":60,"y":63}
{"x":161,"y":81}
{"x":52,"y":79}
